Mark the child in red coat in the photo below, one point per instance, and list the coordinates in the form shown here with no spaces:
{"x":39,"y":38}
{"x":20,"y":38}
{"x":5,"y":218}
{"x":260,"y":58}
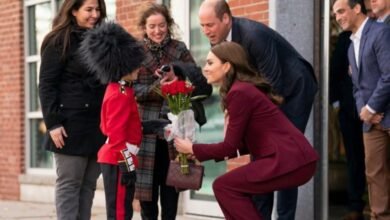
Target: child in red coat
{"x":115,"y":57}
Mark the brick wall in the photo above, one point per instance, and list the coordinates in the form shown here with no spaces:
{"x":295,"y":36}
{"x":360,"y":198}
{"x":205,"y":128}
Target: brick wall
{"x":11,"y":98}
{"x":127,"y":12}
{"x":254,"y":9}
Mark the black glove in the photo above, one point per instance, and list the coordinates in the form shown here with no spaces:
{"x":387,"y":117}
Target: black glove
{"x":128,"y":178}
{"x":155,"y":126}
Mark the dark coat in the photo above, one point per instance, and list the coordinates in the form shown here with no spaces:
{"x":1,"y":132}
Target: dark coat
{"x":287,"y":71}
{"x":371,"y":81}
{"x":387,"y":20}
{"x":70,"y":97}
{"x":340,"y":86}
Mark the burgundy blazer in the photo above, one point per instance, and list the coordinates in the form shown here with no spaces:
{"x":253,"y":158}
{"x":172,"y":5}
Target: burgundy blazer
{"x":258,"y":127}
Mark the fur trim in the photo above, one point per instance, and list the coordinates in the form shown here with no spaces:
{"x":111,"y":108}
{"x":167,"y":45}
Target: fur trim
{"x":110,"y":52}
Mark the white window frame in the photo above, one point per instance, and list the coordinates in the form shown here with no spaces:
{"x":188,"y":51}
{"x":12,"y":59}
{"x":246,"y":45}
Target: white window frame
{"x":32,"y":114}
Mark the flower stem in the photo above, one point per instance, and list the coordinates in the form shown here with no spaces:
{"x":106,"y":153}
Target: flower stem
{"x":184,"y":168}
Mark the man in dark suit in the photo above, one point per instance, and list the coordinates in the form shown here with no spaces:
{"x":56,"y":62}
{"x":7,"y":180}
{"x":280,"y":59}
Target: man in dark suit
{"x":381,"y":9}
{"x":369,"y":56}
{"x":288,"y":72}
{"x":340,"y":90}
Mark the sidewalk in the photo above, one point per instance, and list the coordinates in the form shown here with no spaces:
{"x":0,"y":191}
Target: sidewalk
{"x":17,"y":210}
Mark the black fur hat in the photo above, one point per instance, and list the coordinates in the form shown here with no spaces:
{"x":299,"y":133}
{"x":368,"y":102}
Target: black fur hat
{"x":110,"y":52}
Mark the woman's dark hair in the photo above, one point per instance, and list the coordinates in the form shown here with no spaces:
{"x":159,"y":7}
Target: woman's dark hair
{"x":64,"y":21}
{"x":152,"y":9}
{"x":240,"y":70}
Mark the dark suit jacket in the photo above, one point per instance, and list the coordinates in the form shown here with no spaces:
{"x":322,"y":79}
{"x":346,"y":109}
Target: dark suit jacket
{"x":287,"y":71}
{"x":387,"y":20}
{"x":371,"y":80}
{"x":340,"y":81}
{"x":257,"y":126}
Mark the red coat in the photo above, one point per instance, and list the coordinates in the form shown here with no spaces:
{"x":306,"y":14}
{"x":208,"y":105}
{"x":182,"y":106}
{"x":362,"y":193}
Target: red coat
{"x":120,"y":122}
{"x":257,"y":126}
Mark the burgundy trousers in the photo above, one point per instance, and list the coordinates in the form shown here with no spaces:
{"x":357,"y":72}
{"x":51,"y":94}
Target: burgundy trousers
{"x":234,"y":192}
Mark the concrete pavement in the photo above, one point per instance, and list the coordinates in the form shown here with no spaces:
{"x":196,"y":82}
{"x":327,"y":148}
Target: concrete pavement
{"x":17,"y":210}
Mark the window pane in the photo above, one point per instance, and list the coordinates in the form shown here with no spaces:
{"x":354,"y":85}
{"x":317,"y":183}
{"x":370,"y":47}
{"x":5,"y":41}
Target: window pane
{"x":59,"y":3}
{"x":212,"y":131}
{"x":34,"y":104}
{"x":39,"y":24}
{"x":111,"y":9}
{"x":39,"y":157}
{"x":199,"y":44}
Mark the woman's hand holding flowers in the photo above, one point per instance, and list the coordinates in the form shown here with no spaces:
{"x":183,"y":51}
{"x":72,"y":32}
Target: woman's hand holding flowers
{"x":183,"y":145}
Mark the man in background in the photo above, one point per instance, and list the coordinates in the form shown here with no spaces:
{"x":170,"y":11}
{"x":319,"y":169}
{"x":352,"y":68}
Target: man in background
{"x":369,"y":55}
{"x":381,"y":9}
{"x":287,"y":71}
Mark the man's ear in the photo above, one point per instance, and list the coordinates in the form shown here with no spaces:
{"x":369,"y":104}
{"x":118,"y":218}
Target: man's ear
{"x":357,"y":8}
{"x":225,"y":18}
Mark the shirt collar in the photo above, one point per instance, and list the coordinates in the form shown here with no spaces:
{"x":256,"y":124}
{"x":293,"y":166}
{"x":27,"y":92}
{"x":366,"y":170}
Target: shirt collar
{"x":358,"y":34}
{"x":382,"y":19}
{"x":229,"y":36}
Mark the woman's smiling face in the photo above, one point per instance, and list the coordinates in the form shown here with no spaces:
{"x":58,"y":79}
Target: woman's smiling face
{"x":88,"y":14}
{"x":156,"y":28}
{"x":215,"y":70}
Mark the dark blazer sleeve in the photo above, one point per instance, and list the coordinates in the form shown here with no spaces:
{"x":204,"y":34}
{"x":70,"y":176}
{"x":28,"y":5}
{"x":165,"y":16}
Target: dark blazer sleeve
{"x":49,"y":79}
{"x":265,"y":55}
{"x":194,"y":74}
{"x":240,"y":112}
{"x":380,"y":98}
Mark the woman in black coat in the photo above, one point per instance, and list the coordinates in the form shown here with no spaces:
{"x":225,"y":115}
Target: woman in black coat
{"x":71,"y":99}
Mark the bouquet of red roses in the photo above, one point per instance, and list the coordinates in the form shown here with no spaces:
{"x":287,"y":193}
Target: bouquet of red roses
{"x":178,"y":96}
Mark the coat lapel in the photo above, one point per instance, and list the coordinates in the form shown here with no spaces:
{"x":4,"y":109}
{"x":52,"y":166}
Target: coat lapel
{"x":363,"y":40}
{"x":236,"y":37}
{"x":352,"y":61}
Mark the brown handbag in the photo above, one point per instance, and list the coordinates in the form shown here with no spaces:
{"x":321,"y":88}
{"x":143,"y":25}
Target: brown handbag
{"x":180,"y":181}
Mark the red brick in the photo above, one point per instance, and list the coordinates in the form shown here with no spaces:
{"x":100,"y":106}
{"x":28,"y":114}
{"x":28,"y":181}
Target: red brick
{"x":11,"y":98}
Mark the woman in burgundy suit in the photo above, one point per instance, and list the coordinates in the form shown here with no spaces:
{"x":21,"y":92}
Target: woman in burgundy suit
{"x":282,"y":157}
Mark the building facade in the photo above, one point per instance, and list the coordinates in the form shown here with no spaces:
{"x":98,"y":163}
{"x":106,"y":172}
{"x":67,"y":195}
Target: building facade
{"x":27,"y":171}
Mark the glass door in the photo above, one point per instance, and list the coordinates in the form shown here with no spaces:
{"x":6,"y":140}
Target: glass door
{"x":201,"y":202}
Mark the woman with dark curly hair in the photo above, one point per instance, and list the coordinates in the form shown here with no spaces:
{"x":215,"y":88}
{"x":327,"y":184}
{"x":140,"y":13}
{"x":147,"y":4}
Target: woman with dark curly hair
{"x":281,"y":155}
{"x":155,"y":152}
